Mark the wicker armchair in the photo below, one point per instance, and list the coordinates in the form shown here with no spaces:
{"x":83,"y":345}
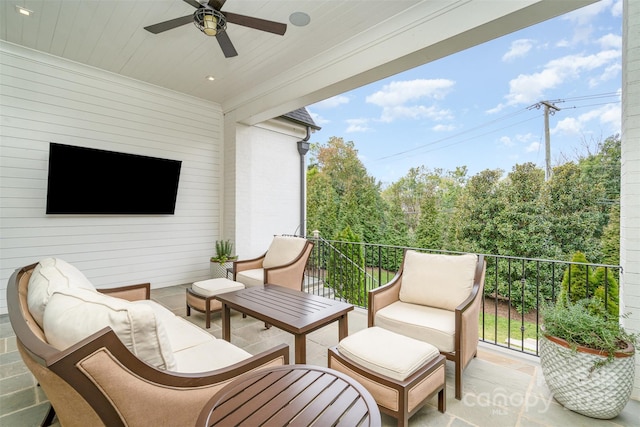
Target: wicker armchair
{"x":283,"y":264}
{"x":98,"y":381}
{"x":434,"y":298}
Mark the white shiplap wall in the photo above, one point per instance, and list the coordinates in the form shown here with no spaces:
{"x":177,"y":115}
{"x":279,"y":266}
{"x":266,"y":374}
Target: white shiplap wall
{"x":46,"y":99}
{"x":630,"y":177}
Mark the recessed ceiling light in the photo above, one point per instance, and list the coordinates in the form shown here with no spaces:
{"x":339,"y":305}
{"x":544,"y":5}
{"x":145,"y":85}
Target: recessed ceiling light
{"x":299,"y":19}
{"x":24,"y":11}
{"x":210,"y":78}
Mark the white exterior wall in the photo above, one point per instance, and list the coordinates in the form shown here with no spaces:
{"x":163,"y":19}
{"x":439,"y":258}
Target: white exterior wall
{"x":267,"y":190}
{"x":630,"y":179}
{"x":47,"y":99}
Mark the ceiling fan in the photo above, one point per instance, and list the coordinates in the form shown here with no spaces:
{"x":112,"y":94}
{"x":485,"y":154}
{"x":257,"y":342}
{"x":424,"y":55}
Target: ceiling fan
{"x":213,"y":22}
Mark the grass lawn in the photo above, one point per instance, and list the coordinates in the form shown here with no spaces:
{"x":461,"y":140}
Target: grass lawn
{"x":503,"y":327}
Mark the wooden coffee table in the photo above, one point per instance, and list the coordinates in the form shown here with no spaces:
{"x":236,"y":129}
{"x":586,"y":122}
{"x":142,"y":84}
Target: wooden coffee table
{"x":293,"y":311}
{"x":296,"y":395}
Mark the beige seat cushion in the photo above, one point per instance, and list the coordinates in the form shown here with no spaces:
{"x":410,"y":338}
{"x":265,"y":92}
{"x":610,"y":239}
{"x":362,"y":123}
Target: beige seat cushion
{"x":437,"y":280}
{"x":424,"y":323}
{"x":181,"y":333}
{"x":209,"y":355}
{"x":387,"y":353}
{"x":253,"y":277}
{"x":213,"y":287}
{"x":73,"y":314}
{"x":48,"y":276}
{"x":283,"y":250}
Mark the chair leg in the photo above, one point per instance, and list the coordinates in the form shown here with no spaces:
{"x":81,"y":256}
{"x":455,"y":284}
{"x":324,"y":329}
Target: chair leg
{"x":458,"y":374}
{"x":48,"y":418}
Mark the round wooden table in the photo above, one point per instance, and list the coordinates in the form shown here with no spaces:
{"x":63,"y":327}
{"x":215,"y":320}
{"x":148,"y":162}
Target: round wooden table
{"x":296,"y":395}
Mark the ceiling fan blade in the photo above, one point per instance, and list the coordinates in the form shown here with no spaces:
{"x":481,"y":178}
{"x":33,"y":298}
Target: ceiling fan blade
{"x":169,"y":25}
{"x":193,"y":3}
{"x":256,"y":23}
{"x":226,"y":45}
{"x":216,"y":4}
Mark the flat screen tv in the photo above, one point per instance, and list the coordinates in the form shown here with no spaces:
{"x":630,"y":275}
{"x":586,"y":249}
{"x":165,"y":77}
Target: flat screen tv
{"x":90,"y":181}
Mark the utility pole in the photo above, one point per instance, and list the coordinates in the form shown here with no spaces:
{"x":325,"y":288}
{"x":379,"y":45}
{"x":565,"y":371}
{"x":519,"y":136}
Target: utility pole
{"x":549,"y":108}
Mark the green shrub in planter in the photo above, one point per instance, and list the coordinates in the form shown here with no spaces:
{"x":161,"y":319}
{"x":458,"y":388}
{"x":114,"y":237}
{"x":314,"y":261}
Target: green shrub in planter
{"x":587,"y":358}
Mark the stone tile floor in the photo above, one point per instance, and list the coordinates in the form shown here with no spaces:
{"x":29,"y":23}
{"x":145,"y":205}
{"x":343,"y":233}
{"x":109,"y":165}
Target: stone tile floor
{"x":501,"y":387}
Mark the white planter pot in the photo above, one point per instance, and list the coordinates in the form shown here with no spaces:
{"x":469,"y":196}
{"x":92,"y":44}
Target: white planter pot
{"x":598,"y":393}
{"x":219,"y":270}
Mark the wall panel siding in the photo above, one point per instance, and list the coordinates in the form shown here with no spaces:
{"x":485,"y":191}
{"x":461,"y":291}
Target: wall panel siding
{"x":268,"y":189}
{"x":46,"y":99}
{"x":630,"y":177}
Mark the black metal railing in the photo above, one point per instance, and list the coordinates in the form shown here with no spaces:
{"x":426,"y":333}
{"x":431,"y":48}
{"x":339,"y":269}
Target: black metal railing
{"x":515,"y":287}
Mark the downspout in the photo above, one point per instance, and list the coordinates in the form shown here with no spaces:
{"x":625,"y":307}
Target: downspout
{"x":303,"y":148}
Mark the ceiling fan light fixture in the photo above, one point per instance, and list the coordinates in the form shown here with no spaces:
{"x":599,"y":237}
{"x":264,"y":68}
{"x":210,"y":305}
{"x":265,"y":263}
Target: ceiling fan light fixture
{"x":209,"y":21}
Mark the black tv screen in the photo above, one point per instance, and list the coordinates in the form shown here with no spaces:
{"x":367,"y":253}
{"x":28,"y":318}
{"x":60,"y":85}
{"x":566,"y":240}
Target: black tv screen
{"x":90,"y":181}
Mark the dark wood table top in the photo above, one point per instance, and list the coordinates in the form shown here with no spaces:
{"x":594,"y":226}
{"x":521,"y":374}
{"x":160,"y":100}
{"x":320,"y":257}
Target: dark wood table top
{"x":288,"y":309}
{"x":296,"y":395}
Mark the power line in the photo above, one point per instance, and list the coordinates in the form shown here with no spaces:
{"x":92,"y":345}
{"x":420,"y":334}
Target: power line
{"x":500,"y":119}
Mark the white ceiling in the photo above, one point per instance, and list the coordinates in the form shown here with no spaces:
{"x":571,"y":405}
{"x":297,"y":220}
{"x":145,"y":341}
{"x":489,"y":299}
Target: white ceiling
{"x":348,"y":43}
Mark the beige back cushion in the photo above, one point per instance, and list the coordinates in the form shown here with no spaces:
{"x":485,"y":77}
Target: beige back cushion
{"x":73,"y":314}
{"x":283,"y":250}
{"x":437,"y":280}
{"x":48,"y":276}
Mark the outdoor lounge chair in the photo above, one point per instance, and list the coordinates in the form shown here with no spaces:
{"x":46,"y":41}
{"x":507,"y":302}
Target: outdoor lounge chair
{"x":434,"y":298}
{"x":282,"y":264}
{"x":98,"y":380}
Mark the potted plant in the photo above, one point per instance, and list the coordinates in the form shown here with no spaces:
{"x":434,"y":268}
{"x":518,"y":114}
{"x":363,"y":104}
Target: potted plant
{"x":587,"y":358}
{"x":223,"y":259}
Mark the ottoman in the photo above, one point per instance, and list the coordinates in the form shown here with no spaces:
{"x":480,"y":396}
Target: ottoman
{"x":201,"y":296}
{"x":401,"y":373}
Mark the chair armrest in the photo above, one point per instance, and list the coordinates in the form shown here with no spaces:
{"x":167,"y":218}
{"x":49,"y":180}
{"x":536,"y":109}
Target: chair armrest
{"x":466,"y":317}
{"x":109,"y":375}
{"x":383,"y":296}
{"x":478,"y":286}
{"x":247,"y":264}
{"x":138,"y":292}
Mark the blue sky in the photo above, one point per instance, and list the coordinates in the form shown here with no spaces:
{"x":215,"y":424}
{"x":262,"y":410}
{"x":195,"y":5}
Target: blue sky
{"x":475,"y":108}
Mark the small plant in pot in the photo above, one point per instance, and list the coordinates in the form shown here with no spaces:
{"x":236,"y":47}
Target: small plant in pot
{"x":223,"y":258}
{"x":587,"y":358}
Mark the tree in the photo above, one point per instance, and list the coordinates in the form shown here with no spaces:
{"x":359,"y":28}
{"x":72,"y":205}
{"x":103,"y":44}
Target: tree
{"x":346,"y":268}
{"x":575,"y":280}
{"x":347,"y":195}
{"x":522,"y":223}
{"x":474,"y":220}
{"x":575,"y":217}
{"x":429,"y":229}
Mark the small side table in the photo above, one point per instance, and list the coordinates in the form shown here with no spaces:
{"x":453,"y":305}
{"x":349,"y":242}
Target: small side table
{"x":201,"y":296}
{"x":302,"y":395}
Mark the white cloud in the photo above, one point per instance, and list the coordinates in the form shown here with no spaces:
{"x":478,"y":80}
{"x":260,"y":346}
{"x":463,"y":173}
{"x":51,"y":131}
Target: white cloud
{"x":398,"y":99}
{"x":318,"y":119}
{"x":357,"y":125}
{"x":398,"y":93}
{"x":616,"y":9}
{"x":586,"y":14}
{"x":610,"y":41}
{"x":609,"y":73}
{"x":415,"y":112}
{"x":332,"y":102}
{"x":530,"y":88}
{"x":519,"y":48}
{"x":608,"y":115}
{"x":443,"y":128}
{"x":506,"y":141}
{"x":533,"y":147}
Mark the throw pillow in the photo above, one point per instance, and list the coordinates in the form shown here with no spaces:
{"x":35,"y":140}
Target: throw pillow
{"x":48,"y":276}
